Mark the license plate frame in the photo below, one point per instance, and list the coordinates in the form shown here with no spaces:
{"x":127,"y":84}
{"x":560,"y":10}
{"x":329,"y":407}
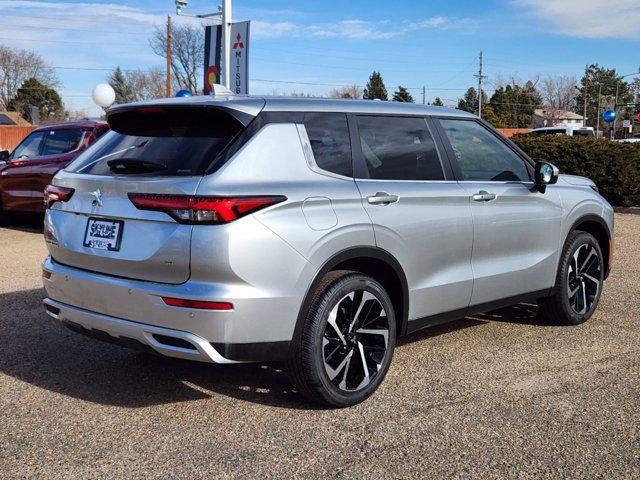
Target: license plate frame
{"x":112,"y":243}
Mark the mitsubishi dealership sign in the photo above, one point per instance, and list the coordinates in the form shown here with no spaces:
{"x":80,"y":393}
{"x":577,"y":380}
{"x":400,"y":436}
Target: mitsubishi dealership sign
{"x":239,"y":64}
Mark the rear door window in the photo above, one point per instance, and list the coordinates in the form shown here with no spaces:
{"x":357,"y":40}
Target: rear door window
{"x":398,"y":148}
{"x":481,"y":156}
{"x":57,"y":142}
{"x":329,"y":137}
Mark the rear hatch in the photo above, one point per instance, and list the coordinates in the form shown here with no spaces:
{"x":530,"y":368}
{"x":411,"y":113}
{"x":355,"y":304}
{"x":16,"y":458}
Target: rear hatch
{"x":157,"y":149}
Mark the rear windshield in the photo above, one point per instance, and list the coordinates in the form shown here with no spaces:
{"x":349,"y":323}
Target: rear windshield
{"x":159,"y":142}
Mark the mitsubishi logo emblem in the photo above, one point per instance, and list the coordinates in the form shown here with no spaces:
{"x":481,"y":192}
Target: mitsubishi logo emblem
{"x":238,"y":42}
{"x":97,"y":198}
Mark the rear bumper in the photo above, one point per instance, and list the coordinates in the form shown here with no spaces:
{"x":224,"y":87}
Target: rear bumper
{"x":172,"y":343}
{"x":259,"y":327}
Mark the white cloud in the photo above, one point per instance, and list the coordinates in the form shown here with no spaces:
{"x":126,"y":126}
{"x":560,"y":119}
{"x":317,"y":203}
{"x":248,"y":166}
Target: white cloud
{"x":588,"y":18}
{"x":350,"y":29}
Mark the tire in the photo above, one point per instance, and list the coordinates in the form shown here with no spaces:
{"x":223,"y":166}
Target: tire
{"x":341,"y":362}
{"x":575,"y":297}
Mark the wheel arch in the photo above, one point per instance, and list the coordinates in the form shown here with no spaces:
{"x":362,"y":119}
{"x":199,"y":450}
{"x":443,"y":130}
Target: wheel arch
{"x":372,"y":261}
{"x":596,"y":226}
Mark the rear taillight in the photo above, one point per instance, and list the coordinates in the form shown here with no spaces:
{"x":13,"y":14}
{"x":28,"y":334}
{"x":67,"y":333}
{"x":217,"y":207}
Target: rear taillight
{"x":199,"y":304}
{"x":203,"y":210}
{"x":56,"y":194}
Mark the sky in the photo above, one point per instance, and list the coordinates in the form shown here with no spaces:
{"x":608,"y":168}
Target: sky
{"x":309,"y":46}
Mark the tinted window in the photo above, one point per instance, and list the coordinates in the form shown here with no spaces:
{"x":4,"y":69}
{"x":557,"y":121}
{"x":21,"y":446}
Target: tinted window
{"x":481,"y":155}
{"x":61,"y":141}
{"x":398,"y":148}
{"x":329,"y":137}
{"x":29,"y":147}
{"x":182,"y":156}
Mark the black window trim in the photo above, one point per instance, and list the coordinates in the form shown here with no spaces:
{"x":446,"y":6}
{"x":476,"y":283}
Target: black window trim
{"x":360,"y":170}
{"x":528,"y":162}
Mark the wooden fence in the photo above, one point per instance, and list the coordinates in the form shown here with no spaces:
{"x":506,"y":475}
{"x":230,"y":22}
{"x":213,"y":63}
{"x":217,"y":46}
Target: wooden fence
{"x":10,"y":136}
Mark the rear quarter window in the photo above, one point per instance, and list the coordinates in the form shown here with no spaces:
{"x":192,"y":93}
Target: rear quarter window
{"x":329,"y":137}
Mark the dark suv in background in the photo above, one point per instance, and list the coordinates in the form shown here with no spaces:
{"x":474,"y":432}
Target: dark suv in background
{"x":25,"y":172}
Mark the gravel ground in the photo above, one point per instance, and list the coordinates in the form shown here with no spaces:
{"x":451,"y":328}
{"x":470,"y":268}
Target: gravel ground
{"x":499,"y":395}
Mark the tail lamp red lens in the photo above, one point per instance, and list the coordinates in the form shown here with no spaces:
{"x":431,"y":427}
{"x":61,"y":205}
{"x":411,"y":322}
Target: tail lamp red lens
{"x":201,"y":305}
{"x":53,"y":194}
{"x":203,"y":210}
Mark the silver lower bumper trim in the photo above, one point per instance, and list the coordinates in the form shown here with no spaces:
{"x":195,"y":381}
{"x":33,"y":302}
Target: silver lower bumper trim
{"x":202,"y":350}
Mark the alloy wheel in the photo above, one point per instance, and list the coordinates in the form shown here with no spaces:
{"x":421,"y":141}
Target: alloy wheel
{"x":355,"y":340}
{"x":584,"y":278}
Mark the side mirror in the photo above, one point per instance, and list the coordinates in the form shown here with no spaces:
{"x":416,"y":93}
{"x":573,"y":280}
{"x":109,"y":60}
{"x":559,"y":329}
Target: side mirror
{"x":4,"y":155}
{"x":545,"y":174}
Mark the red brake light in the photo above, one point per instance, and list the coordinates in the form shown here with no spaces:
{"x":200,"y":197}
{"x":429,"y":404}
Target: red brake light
{"x":53,"y":194}
{"x":203,"y":210}
{"x":202,"y":305}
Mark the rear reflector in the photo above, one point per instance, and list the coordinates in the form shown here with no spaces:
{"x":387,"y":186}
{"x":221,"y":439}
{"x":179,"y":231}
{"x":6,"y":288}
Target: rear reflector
{"x":53,"y":194}
{"x":203,"y":210}
{"x":201,"y":305}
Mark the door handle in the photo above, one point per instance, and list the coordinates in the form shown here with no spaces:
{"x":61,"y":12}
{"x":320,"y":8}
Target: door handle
{"x":382,"y":198}
{"x":483,"y":196}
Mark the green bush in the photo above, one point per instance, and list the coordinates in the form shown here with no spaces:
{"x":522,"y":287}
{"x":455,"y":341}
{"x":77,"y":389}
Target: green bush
{"x":613,"y":166}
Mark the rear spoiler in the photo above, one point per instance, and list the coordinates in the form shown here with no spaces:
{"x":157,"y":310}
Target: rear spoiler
{"x":169,"y":117}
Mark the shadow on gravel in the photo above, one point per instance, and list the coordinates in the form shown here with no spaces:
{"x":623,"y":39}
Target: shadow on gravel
{"x":24,"y":222}
{"x":36,"y":349}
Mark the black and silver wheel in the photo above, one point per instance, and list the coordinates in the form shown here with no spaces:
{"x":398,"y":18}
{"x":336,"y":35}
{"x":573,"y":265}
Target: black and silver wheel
{"x":347,"y":342}
{"x":578,"y":283}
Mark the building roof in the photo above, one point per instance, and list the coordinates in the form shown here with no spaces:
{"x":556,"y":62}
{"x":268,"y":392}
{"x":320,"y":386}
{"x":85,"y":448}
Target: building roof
{"x":12,"y":119}
{"x":556,"y":114}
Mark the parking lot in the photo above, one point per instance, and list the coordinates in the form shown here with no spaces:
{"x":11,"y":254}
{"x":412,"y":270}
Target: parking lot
{"x":499,"y":395}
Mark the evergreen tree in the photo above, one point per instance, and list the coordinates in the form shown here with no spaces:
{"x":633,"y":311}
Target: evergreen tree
{"x":597,"y":78}
{"x":124,"y":92}
{"x":32,"y":93}
{"x":470,"y":101}
{"x":375,"y":88}
{"x":513,"y":106}
{"x":402,"y":95}
{"x":438,"y":102}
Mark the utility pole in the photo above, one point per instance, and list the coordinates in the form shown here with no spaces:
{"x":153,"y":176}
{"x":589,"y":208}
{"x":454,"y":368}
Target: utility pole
{"x":168,"y":86}
{"x":424,"y":95}
{"x":584,"y":117}
{"x":480,"y":77}
{"x":599,"y":102}
{"x":226,"y":34}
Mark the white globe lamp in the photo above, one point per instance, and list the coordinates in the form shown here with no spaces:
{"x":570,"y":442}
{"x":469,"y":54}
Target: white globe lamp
{"x":103,"y":95}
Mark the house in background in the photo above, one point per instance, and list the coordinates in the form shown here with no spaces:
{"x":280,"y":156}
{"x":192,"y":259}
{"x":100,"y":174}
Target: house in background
{"x":13,"y":128}
{"x":550,"y":117}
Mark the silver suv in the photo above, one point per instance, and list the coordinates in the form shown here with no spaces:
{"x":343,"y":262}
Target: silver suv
{"x":317,"y":232}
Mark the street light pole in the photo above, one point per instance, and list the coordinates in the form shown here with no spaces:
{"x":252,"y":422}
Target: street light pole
{"x":615,"y":105}
{"x":226,"y":33}
{"x":224,"y":12}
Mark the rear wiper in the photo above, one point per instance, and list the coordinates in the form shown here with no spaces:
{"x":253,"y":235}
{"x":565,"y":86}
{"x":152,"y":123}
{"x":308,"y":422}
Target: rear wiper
{"x":133,"y":166}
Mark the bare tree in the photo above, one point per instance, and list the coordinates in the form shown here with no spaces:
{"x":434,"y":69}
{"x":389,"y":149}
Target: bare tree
{"x":187,"y":53}
{"x":559,"y":92}
{"x":18,"y":65}
{"x":352,"y":91}
{"x":146,"y":85}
